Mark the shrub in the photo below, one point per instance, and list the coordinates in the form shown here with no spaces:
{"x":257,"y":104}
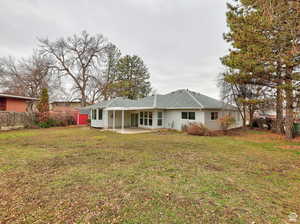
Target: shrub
{"x":198,"y":129}
{"x":44,"y":124}
{"x":57,"y":120}
{"x":63,"y":118}
{"x":226,"y":121}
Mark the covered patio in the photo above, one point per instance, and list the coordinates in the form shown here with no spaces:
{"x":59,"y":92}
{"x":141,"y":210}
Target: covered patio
{"x":122,"y":119}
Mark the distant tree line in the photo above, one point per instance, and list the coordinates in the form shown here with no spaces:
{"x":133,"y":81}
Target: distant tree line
{"x":82,"y":66}
{"x":262,"y":66}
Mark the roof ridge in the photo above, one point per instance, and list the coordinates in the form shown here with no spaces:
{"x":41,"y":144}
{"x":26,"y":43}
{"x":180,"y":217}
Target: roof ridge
{"x":194,"y":98}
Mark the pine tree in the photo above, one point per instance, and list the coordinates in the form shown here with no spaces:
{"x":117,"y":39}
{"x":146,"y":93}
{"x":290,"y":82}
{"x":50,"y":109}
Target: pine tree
{"x":132,"y":78}
{"x":264,"y":36}
{"x":43,"y":106}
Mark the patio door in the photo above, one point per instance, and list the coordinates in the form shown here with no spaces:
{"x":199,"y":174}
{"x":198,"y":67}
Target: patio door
{"x":134,"y":120}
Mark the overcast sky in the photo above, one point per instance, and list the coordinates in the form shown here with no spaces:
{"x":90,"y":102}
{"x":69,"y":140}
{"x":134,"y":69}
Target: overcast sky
{"x":179,"y":40}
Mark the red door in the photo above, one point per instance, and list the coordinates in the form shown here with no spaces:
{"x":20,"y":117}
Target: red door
{"x":83,"y":119}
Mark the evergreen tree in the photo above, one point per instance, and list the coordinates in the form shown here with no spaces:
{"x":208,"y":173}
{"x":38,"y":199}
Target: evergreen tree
{"x":43,"y":106}
{"x":265,"y":49}
{"x":132,"y":78}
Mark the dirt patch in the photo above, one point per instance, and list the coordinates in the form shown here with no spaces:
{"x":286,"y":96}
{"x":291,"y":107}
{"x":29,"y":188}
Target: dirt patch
{"x":261,"y":137}
{"x":289,"y":147}
{"x":231,"y":132}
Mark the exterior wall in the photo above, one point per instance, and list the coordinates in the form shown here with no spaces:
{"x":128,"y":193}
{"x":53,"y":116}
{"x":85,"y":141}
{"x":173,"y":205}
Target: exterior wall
{"x":173,"y":119}
{"x":16,"y":105}
{"x":214,"y":124}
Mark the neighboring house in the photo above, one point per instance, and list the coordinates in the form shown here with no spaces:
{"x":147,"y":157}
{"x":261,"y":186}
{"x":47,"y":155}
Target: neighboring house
{"x":60,"y":105}
{"x":172,"y":111}
{"x":13,"y":103}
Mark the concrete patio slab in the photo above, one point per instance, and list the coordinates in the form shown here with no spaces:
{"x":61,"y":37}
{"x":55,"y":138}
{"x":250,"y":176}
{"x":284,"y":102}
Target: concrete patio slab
{"x":132,"y":131}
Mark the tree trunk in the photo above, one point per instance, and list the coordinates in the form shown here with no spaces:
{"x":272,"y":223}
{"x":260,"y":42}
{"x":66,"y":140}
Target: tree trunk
{"x":83,"y":99}
{"x":289,"y":120}
{"x":279,"y":112}
{"x":244,"y":117}
{"x":251,"y":115}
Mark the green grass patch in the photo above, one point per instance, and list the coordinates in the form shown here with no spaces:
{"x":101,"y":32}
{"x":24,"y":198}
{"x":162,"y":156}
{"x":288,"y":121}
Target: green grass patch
{"x":81,"y":175}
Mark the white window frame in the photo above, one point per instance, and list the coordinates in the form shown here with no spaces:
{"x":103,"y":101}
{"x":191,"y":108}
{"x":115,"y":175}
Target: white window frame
{"x":188,"y":115}
{"x":98,"y":111}
{"x":94,"y":114}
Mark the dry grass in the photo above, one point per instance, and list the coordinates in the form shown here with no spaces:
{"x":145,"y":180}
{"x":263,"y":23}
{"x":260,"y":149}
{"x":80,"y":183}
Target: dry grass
{"x":78,"y":175}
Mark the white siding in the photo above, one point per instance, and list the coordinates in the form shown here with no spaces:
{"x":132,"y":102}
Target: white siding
{"x":214,"y":124}
{"x":173,"y":118}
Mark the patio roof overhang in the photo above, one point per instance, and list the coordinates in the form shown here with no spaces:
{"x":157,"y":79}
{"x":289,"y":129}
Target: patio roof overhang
{"x":130,"y":108}
{"x":160,"y":108}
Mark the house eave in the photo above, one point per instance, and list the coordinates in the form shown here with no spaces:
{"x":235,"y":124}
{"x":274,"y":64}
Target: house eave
{"x":18,"y":97}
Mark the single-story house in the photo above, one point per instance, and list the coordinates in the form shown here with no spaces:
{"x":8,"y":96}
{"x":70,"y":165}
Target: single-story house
{"x":172,"y":111}
{"x":13,"y":103}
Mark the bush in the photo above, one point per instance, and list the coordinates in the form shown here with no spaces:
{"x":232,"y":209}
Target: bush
{"x":197,"y":129}
{"x":226,"y":121}
{"x":57,"y":120}
{"x":46,"y":124}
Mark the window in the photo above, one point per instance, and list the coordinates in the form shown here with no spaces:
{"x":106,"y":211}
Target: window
{"x":192,"y":116}
{"x":99,"y":114}
{"x":214,"y":116}
{"x":94,"y":114}
{"x":188,"y":115}
{"x":141,"y":118}
{"x":159,"y":118}
{"x":184,"y":115}
{"x":2,"y":104}
{"x":150,"y":118}
{"x":146,"y":118}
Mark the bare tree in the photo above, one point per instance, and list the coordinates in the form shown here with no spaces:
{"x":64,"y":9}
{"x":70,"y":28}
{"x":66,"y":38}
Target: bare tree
{"x":100,"y":86}
{"x":113,"y":55}
{"x":28,"y":76}
{"x":249,"y":98}
{"x":78,"y":57}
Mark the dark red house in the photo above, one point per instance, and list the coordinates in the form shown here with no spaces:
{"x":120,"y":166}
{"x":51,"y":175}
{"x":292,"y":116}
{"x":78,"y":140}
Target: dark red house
{"x":13,"y":103}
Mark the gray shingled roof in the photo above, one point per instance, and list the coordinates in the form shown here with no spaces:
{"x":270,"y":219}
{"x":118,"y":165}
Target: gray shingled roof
{"x":180,"y":99}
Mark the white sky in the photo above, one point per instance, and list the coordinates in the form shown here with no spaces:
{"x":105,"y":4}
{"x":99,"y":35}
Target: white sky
{"x":179,"y":40}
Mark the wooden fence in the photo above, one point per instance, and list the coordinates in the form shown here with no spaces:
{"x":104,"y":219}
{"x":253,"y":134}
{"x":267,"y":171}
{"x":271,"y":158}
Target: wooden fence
{"x":15,"y":120}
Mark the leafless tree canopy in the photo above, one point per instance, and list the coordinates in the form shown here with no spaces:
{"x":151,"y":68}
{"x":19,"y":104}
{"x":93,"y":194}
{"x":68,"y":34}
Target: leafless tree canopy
{"x":79,"y":57}
{"x":81,"y":67}
{"x":28,"y":76}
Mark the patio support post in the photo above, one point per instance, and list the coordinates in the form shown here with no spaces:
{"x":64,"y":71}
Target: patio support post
{"x":114,"y":119}
{"x":123,"y":118}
